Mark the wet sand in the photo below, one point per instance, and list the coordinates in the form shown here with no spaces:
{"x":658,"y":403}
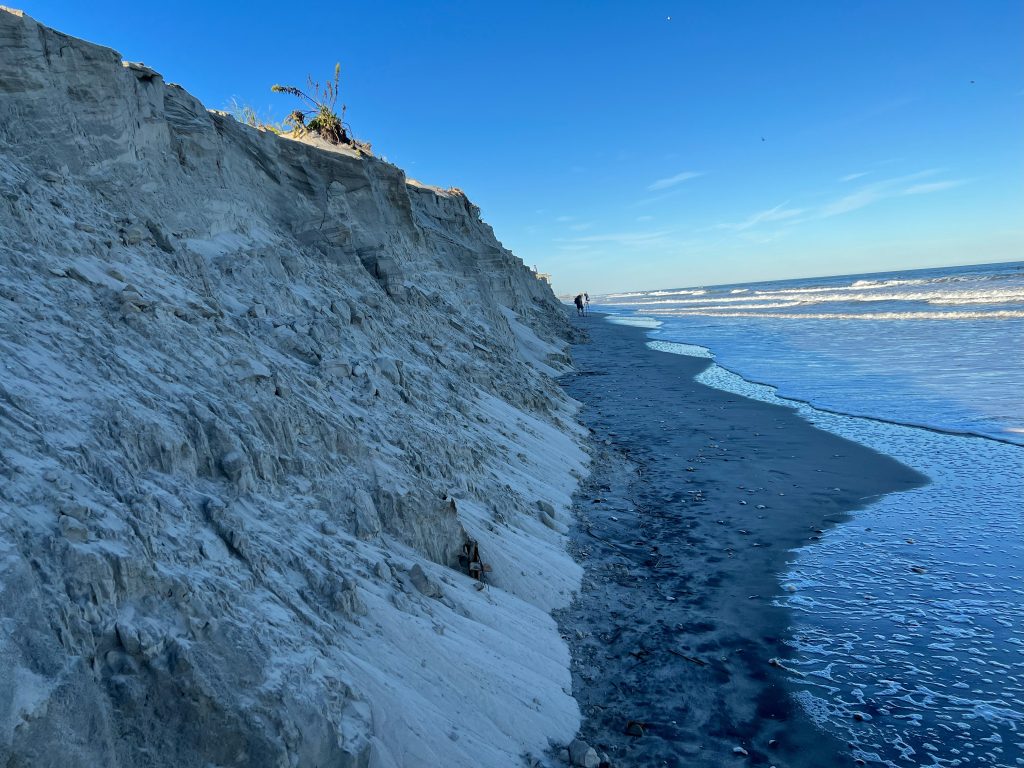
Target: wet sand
{"x":685,"y":529}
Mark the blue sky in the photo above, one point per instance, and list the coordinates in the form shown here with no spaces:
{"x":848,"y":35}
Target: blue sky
{"x":633,"y":145}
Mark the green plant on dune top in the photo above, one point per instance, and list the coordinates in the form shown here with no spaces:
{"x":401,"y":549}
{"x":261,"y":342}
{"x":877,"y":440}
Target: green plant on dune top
{"x":320,"y":116}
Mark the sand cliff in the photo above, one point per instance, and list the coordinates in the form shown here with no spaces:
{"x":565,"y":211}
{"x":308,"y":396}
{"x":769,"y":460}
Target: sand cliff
{"x":255,"y":395}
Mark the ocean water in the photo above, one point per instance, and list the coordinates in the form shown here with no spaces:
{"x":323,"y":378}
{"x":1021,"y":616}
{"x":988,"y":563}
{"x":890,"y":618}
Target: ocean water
{"x":942,"y":348}
{"x":909,"y":619}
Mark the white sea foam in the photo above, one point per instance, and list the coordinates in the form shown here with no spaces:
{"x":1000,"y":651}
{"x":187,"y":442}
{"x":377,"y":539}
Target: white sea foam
{"x":974,"y":287}
{"x":1004,"y":314}
{"x":991,"y":298}
{"x":642,"y":294}
{"x":886,"y":283}
{"x":816,"y":296}
{"x":857,"y":285}
{"x":690,"y":350}
{"x":637,"y":322}
{"x":709,"y":300}
{"x":714,"y":309}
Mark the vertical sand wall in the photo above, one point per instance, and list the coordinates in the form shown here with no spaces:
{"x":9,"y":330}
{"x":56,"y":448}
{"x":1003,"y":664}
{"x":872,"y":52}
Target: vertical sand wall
{"x":255,"y":395}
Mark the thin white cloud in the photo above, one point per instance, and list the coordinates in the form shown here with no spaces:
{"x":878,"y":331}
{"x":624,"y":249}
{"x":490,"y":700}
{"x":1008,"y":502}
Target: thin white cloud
{"x":852,"y":176}
{"x":861,"y":197}
{"x":645,"y":218}
{"x":935,"y":186}
{"x":872,"y":193}
{"x":654,"y":198}
{"x":778,"y":213}
{"x":672,"y":181}
{"x":761,"y":238}
{"x":563,"y":219}
{"x":583,"y":225}
{"x":619,"y":238}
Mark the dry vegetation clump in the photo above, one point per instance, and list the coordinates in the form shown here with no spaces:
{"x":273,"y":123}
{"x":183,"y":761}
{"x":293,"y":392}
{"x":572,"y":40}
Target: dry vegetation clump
{"x":245,"y":113}
{"x":320,"y":116}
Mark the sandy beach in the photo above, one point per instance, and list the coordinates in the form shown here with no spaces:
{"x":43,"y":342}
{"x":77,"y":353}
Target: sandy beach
{"x":685,"y":528}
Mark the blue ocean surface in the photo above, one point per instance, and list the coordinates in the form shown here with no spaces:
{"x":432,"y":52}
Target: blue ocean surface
{"x":908,"y":620}
{"x":942,"y":348}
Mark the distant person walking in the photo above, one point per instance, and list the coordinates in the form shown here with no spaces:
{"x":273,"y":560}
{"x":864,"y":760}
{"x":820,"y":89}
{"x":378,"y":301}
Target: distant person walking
{"x":586,"y":303}
{"x":579,"y":303}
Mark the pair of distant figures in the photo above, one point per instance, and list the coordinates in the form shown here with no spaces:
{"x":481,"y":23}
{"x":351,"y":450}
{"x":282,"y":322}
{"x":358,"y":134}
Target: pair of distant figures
{"x":582,"y":302}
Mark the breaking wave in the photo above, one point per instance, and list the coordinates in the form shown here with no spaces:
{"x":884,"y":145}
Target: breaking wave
{"x":996,"y":292}
{"x":924,"y":315}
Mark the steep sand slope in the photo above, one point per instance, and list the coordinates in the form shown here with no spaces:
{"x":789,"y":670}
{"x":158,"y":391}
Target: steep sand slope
{"x":255,"y":395}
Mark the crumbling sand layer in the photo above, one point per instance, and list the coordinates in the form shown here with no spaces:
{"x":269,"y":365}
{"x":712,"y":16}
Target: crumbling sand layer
{"x":255,"y":396}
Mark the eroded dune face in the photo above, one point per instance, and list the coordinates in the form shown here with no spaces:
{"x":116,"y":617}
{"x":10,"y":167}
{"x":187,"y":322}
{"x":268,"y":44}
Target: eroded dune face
{"x":255,"y":395}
